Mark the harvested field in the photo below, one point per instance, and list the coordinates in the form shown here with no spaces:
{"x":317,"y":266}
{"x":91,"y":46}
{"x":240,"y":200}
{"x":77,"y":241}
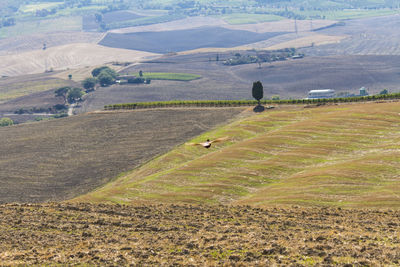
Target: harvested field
{"x":64,"y":57}
{"x":120,"y":15}
{"x":181,"y":40}
{"x":370,"y":36}
{"x":63,"y":158}
{"x":32,"y":42}
{"x":63,"y":24}
{"x":16,"y":87}
{"x":109,"y":235}
{"x":337,"y":155}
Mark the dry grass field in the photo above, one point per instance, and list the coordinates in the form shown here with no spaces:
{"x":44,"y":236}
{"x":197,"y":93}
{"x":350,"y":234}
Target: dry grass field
{"x":63,"y":158}
{"x":177,"y":235}
{"x":338,"y":155}
{"x":25,"y":43}
{"x":16,"y":87}
{"x":64,"y":57}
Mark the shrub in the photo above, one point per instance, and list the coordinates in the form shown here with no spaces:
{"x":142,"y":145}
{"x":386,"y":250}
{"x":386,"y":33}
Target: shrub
{"x":6,"y":122}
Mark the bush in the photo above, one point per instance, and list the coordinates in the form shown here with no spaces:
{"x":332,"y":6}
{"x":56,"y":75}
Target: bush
{"x":136,"y":80}
{"x":6,"y":122}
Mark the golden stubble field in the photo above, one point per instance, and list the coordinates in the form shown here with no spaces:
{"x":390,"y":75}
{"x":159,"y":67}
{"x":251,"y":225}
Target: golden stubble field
{"x":344,"y":155}
{"x":69,"y":56}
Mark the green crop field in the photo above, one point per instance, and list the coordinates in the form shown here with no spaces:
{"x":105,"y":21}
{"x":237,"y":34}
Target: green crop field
{"x":338,"y":155}
{"x":239,"y":18}
{"x":169,"y":76}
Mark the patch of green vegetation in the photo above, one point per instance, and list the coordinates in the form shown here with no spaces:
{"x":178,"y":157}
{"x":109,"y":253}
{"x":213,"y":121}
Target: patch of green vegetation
{"x":241,"y":18}
{"x":169,"y":76}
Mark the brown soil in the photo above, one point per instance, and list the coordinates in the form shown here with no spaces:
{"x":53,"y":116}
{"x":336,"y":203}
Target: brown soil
{"x":110,"y":235}
{"x":63,"y":158}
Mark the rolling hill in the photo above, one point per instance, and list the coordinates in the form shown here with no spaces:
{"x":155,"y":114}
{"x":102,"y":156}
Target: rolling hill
{"x":76,"y":55}
{"x":339,"y":155}
{"x":61,"y":159}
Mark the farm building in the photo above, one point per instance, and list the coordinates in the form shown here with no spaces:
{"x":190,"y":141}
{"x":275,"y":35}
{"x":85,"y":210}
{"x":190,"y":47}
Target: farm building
{"x":321,"y":93}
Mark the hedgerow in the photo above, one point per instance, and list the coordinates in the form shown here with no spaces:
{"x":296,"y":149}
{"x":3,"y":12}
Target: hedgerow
{"x":238,"y":103}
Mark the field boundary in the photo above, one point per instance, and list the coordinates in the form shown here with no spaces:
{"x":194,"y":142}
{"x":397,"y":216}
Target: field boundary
{"x":240,"y":103}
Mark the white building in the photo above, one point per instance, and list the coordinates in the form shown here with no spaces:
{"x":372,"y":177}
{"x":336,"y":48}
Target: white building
{"x":321,"y":93}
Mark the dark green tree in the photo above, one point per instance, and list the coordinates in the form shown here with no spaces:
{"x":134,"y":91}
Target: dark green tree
{"x":105,"y":78}
{"x":74,"y":94}
{"x":384,"y":92}
{"x":257,"y":91}
{"x":97,"y":71}
{"x":63,"y":91}
{"x":89,"y":84}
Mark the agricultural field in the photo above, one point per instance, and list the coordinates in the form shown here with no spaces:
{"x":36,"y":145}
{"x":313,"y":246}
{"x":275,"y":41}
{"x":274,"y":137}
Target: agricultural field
{"x":348,"y":14}
{"x":38,"y":6}
{"x":369,"y":36}
{"x":63,"y":57}
{"x":15,"y":45}
{"x":196,"y":235}
{"x":250,"y":18}
{"x":181,"y":40}
{"x":337,"y":155}
{"x":60,"y":159}
{"x":70,"y":23}
{"x":12,"y":88}
{"x":169,"y":76}
{"x":288,"y":79}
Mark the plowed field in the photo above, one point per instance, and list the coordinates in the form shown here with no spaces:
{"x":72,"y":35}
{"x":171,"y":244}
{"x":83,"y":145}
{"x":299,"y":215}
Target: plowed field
{"x":113,"y":235}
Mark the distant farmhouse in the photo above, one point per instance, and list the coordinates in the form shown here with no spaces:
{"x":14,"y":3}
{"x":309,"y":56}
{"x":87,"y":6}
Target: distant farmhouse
{"x":330,"y":93}
{"x":321,"y":93}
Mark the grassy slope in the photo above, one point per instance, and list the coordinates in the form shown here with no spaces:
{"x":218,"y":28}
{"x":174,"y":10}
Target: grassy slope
{"x":346,"y":155}
{"x":12,"y":91}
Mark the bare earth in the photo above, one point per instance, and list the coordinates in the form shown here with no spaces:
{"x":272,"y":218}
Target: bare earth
{"x":173,"y":235}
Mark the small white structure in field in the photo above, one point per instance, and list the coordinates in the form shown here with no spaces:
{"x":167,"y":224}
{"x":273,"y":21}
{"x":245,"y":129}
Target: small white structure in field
{"x":321,"y":93}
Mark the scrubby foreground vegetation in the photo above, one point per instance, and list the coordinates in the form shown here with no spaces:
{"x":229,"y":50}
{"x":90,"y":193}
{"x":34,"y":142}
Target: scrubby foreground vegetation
{"x":196,"y":235}
{"x":333,"y":155}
